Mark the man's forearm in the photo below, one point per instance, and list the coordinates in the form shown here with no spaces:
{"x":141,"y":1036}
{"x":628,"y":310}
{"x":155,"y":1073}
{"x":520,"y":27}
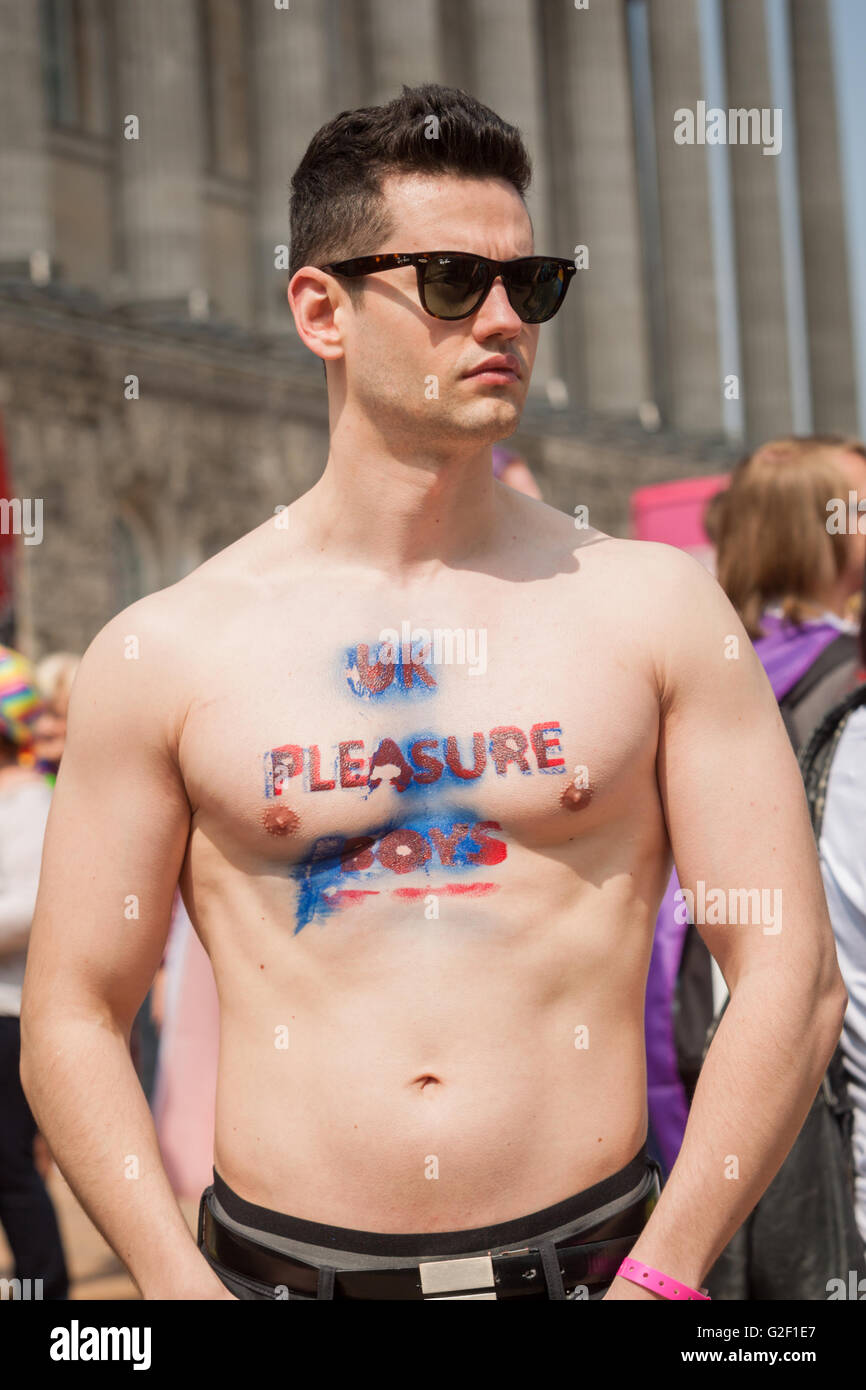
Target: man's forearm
{"x":82,"y":1088}
{"x":760,"y":1076}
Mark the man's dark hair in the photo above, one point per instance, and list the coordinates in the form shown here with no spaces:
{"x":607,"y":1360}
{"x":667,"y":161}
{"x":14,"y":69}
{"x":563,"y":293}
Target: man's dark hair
{"x":337,"y":206}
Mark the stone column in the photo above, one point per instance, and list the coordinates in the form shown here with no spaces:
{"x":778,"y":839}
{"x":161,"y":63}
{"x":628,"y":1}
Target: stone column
{"x":509,"y":79}
{"x":290,"y":64}
{"x":766,"y":384}
{"x":825,"y":257}
{"x":599,"y":185}
{"x":26,"y":224}
{"x":160,"y":83}
{"x":694,"y":370}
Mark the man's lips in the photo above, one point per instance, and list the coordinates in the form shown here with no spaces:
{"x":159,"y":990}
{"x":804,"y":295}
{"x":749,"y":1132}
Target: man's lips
{"x":502,"y":368}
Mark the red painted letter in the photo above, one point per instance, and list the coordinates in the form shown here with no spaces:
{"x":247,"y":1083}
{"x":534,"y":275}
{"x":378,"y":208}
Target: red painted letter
{"x":452,"y":757}
{"x":502,"y":748}
{"x":403,"y":850}
{"x":491,"y":851}
{"x":542,"y":747}
{"x":445,"y":845}
{"x":349,"y":766}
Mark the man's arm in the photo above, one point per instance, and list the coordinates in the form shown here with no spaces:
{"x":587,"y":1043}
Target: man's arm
{"x":738,"y":821}
{"x":115,"y":842}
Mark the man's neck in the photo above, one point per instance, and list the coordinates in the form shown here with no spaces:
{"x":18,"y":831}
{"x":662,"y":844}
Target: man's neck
{"x":408,"y":513}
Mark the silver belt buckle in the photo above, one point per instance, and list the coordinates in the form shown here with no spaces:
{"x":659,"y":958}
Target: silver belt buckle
{"x":439,"y":1278}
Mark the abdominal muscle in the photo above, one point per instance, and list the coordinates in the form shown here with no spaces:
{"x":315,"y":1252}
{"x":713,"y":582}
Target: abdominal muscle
{"x":431,"y":1075}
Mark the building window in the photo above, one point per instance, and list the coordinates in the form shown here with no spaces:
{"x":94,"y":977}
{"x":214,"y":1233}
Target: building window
{"x":62,"y":51}
{"x":74,"y":64}
{"x":134,"y":556}
{"x":225,"y":60}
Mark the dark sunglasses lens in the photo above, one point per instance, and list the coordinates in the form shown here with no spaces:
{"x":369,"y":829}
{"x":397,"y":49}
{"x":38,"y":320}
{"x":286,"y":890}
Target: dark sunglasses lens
{"x":535,"y":289}
{"x":453,"y":285}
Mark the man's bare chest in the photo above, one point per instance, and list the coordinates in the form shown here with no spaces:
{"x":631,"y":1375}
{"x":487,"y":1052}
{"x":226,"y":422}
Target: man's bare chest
{"x":409,"y":759}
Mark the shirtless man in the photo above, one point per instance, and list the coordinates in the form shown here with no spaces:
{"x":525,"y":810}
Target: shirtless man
{"x":427,"y":887}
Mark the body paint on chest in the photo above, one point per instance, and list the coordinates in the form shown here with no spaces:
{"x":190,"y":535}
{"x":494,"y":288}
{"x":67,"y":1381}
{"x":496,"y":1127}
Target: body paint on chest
{"x":341,"y":870}
{"x":384,"y":671}
{"x":422,"y":760}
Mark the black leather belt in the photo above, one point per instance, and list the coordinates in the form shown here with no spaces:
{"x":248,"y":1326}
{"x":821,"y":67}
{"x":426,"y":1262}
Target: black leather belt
{"x":592,"y":1262}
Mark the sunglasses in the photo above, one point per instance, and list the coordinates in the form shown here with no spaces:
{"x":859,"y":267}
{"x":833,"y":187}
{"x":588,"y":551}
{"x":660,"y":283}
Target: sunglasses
{"x":453,"y":284}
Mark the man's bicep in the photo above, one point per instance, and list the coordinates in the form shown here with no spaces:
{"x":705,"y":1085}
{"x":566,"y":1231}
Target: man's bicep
{"x":735,"y":805}
{"x":115,"y":838}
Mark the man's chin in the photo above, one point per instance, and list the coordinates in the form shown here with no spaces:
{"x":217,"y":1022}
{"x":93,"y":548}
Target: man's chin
{"x":491,"y":417}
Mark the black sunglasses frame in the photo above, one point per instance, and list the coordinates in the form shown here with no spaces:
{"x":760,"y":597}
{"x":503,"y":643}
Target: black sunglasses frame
{"x":390,"y":260}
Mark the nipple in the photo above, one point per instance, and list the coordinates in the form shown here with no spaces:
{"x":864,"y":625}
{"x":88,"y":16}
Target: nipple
{"x":280,"y":820}
{"x":578,"y":793}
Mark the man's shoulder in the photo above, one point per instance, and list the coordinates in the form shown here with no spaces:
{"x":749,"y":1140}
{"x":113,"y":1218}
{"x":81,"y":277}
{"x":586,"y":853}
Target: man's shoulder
{"x":651,"y":560}
{"x":661,"y":575}
{"x":153,"y":622}
{"x":662,"y":601}
{"x":656,"y":567}
{"x":137,"y":666}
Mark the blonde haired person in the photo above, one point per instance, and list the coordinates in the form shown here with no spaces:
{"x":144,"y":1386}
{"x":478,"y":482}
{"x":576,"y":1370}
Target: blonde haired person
{"x":54,"y":676}
{"x":774,"y":498}
{"x":793,"y":576}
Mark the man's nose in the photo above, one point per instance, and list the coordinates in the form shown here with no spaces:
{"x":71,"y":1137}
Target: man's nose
{"x":496,"y":313}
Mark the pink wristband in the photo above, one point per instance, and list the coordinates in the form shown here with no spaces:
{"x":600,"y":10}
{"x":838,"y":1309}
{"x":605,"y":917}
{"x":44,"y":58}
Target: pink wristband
{"x":653,"y":1279}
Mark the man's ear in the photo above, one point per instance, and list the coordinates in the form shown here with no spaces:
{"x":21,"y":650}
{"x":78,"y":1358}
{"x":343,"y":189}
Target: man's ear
{"x":313,"y":300}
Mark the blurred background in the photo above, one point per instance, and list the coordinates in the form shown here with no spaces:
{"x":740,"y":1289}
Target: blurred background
{"x":153,"y":392}
{"x":155,"y":400}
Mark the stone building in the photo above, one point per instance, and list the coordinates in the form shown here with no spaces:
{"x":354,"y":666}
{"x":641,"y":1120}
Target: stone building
{"x":153,"y":391}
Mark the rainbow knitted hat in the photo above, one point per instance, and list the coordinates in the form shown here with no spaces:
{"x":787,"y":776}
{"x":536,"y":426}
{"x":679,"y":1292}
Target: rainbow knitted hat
{"x":20,"y":699}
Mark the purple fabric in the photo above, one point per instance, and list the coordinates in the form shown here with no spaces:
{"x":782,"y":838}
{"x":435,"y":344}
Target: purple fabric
{"x":501,"y":459}
{"x":668,"y":1103}
{"x":786,"y":653}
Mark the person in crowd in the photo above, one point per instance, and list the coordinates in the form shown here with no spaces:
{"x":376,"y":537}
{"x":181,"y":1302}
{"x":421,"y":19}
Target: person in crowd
{"x":54,"y":676}
{"x":834,"y":768}
{"x":26,"y":1212}
{"x":791,"y":577}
